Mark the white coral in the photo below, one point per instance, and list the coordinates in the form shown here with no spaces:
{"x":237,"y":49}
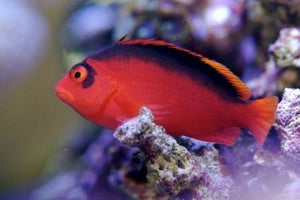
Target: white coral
{"x":286,"y":49}
{"x":288,"y":122}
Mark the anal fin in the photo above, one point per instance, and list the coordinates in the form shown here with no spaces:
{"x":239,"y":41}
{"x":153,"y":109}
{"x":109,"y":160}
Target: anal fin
{"x":227,"y":136}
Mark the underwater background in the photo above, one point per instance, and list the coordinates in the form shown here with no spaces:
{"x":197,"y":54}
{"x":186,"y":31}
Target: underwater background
{"x":49,"y":152}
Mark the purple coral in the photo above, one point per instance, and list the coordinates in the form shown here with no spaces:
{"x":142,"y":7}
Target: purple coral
{"x":288,"y":122}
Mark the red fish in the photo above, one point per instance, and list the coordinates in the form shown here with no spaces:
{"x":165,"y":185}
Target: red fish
{"x":188,"y":93}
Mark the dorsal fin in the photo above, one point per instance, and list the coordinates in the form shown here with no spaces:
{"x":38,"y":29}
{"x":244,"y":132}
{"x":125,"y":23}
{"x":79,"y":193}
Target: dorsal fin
{"x":242,"y":90}
{"x":124,"y":38}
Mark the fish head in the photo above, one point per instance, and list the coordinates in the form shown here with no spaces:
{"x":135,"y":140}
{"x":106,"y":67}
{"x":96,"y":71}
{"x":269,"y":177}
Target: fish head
{"x":84,"y":88}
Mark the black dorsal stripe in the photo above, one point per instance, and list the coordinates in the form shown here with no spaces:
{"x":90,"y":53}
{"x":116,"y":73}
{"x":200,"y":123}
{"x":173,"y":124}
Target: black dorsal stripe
{"x":173,"y":59}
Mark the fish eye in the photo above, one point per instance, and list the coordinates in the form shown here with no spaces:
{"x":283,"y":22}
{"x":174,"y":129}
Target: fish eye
{"x":79,"y":74}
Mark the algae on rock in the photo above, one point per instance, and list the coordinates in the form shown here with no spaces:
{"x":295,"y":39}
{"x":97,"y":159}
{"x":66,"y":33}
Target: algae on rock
{"x":171,"y":168}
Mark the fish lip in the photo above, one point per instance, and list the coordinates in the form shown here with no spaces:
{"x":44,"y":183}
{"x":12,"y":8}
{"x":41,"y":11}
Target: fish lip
{"x":64,"y":94}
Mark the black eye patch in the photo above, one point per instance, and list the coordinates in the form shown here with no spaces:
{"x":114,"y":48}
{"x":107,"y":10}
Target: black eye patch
{"x":88,"y":82}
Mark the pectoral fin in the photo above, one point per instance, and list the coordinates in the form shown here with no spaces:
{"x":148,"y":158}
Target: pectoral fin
{"x":159,"y":111}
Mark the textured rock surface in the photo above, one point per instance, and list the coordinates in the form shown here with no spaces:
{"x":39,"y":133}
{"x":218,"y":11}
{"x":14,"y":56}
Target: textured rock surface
{"x":286,"y":49}
{"x":282,"y":69}
{"x":288,"y":122}
{"x":172,"y":168}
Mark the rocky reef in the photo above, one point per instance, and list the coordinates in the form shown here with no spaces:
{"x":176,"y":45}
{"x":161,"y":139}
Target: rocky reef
{"x":288,"y":123}
{"x":282,"y":69}
{"x":172,"y":170}
{"x":150,"y":164}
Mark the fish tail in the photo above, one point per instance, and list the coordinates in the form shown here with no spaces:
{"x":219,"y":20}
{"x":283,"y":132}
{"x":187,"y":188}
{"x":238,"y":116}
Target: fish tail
{"x":263,"y":117}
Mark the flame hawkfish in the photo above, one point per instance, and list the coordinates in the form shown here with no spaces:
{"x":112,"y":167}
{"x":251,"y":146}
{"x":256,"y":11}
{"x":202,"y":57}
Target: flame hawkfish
{"x":188,"y":94}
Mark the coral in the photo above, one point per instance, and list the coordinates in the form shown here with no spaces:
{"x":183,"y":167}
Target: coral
{"x":159,"y":167}
{"x":171,"y":167}
{"x":282,"y":68}
{"x":268,"y":17}
{"x":63,"y":186}
{"x":286,"y":49}
{"x":288,"y":123}
{"x":96,"y":173}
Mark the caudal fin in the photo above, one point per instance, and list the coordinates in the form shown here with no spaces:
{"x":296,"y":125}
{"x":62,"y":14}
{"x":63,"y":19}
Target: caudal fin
{"x":262,"y":117}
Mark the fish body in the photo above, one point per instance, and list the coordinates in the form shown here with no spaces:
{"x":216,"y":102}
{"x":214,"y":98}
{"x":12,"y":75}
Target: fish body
{"x":188,"y":94}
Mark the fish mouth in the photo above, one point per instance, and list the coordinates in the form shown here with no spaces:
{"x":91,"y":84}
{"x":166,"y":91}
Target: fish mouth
{"x":64,"y":94}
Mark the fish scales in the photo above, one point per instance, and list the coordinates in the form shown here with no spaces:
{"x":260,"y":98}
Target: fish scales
{"x":189,"y":94}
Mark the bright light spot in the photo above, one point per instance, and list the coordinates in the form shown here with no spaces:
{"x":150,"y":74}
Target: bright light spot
{"x":219,"y":15}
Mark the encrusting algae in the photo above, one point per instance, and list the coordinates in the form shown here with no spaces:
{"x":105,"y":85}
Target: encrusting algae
{"x":171,"y":168}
